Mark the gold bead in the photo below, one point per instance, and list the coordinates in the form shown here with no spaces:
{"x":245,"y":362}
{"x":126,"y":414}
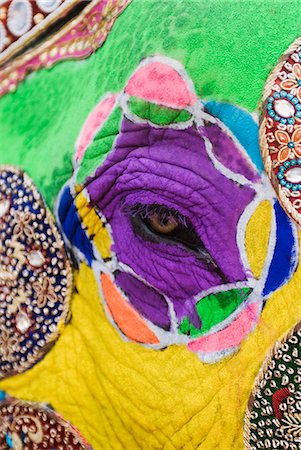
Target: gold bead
{"x":3,"y":13}
{"x":53,"y":52}
{"x":14,"y":75}
{"x":63,"y":50}
{"x":44,"y":57}
{"x":38,"y":18}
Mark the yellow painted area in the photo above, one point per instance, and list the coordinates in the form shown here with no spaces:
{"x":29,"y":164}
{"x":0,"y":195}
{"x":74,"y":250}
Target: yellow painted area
{"x":257,"y":236}
{"x":94,"y":226}
{"x":124,"y":396}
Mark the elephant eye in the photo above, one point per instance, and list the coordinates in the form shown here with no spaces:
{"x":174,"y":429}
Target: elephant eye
{"x":159,"y":223}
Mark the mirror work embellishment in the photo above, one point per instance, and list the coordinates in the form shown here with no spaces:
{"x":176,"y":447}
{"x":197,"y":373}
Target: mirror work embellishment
{"x":280,"y":130}
{"x":34,"y":426}
{"x":273,"y":416}
{"x":35,"y":275}
{"x":27,"y":43}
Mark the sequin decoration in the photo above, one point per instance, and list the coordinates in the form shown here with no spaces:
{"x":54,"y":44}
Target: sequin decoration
{"x":33,"y":426}
{"x":35,"y":275}
{"x":273,"y":417}
{"x":280,"y":131}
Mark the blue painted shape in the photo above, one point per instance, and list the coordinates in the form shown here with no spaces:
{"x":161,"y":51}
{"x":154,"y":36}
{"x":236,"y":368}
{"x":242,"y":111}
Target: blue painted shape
{"x":284,"y":259}
{"x":242,"y":125}
{"x":71,"y":225}
{"x":2,"y":395}
{"x":9,"y":440}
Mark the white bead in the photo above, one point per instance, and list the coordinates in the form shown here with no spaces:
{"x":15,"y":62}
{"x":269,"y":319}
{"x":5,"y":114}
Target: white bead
{"x":293,"y":175}
{"x":284,"y":108}
{"x":19,"y":17}
{"x":48,"y":5}
{"x":35,"y":258}
{"x":4,"y":207}
{"x":22,"y":322}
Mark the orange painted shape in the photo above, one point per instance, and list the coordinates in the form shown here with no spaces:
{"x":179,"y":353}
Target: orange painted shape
{"x":124,"y":315}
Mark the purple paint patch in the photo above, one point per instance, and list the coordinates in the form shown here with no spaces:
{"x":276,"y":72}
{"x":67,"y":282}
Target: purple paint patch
{"x":145,"y":300}
{"x":172,"y":168}
{"x":229,"y":155}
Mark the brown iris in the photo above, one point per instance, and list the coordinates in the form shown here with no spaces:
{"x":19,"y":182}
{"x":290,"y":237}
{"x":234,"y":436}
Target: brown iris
{"x":162,"y":224}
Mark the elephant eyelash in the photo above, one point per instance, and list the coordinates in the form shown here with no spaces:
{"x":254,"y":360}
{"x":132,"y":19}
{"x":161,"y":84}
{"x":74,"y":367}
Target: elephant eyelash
{"x":184,"y":234}
{"x":147,"y":211}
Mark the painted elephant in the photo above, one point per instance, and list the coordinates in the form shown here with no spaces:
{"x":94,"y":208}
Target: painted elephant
{"x":158,"y":205}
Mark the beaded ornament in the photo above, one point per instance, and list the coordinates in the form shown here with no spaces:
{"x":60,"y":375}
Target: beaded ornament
{"x":34,"y":426}
{"x":35,"y":275}
{"x":280,"y":130}
{"x":273,"y":417}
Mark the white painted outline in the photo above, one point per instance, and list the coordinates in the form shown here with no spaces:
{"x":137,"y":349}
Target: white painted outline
{"x":77,"y":162}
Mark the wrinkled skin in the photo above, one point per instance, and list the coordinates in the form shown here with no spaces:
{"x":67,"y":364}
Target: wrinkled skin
{"x":172,"y":168}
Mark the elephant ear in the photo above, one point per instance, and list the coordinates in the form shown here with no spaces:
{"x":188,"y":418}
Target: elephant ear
{"x":280,"y":130}
{"x":161,"y":93}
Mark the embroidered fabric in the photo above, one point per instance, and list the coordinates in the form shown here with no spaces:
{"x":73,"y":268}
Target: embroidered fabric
{"x":33,"y":426}
{"x":273,"y":416}
{"x":280,"y":132}
{"x":35,"y":275}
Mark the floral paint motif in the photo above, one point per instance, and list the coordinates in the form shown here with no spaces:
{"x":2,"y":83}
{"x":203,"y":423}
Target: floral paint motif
{"x":273,"y":417}
{"x":30,"y":426}
{"x":280,"y":130}
{"x":35,"y":276}
{"x":150,"y":207}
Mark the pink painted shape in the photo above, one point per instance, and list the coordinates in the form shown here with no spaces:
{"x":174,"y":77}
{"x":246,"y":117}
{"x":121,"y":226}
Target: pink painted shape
{"x":93,"y":123}
{"x":160,"y":83}
{"x":230,"y":336}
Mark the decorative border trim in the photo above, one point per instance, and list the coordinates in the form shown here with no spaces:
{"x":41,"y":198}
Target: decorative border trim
{"x":264,"y":145}
{"x":78,"y":39}
{"x":36,"y":30}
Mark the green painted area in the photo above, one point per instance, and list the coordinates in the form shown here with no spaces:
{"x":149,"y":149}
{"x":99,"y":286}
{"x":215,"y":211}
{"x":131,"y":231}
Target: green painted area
{"x":213,"y":309}
{"x":157,"y":114}
{"x":101,"y":145}
{"x":228,"y":48}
